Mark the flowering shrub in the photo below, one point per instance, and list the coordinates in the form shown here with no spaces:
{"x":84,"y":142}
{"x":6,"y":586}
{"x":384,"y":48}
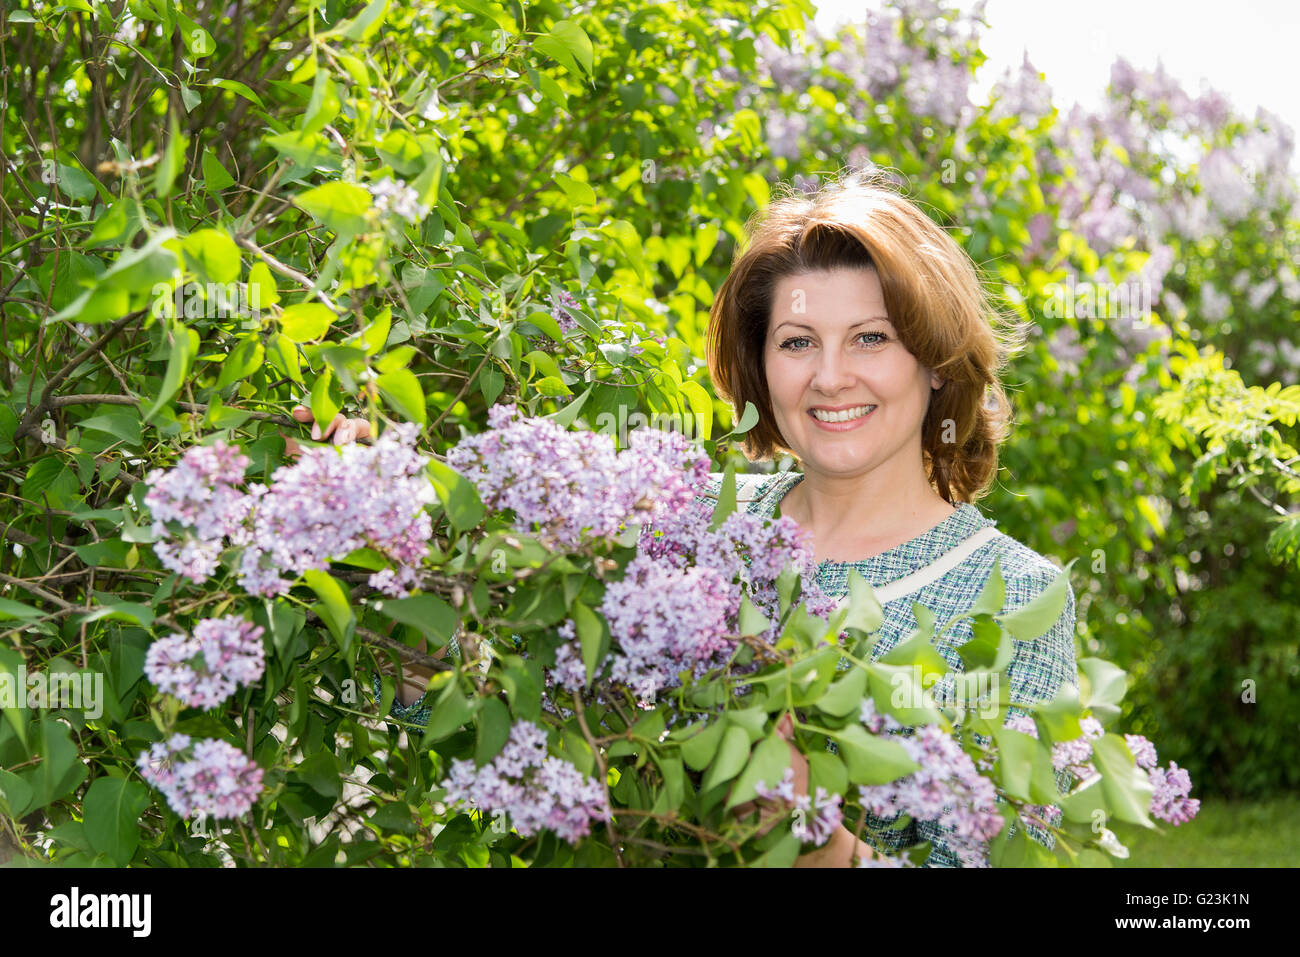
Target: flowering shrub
{"x":421,"y":216}
{"x":686,"y":674}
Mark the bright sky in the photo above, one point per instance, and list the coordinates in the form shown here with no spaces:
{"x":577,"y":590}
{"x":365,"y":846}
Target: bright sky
{"x":1247,"y":49}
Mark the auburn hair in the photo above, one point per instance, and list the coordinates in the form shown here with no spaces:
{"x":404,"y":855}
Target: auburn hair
{"x":935,"y":298}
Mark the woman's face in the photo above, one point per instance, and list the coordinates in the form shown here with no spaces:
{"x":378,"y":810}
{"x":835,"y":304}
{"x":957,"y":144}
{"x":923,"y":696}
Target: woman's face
{"x":830,"y":346}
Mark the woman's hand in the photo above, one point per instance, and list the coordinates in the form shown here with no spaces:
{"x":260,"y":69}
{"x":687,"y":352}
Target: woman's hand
{"x":340,"y":431}
{"x":842,"y":850}
{"x":773,"y":808}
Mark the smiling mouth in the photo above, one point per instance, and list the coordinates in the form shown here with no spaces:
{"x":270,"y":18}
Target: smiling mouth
{"x":847,"y":415}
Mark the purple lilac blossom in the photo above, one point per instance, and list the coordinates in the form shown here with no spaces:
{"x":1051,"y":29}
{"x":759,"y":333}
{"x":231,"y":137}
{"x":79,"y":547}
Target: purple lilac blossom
{"x":211,"y":777}
{"x":232,"y":655}
{"x":576,"y":485}
{"x":947,"y":788}
{"x":200,"y":496}
{"x":535,"y":789}
{"x":328,"y":503}
{"x":1170,"y":801}
{"x":335,"y":500}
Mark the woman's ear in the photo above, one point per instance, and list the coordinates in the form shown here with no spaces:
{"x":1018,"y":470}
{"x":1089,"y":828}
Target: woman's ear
{"x":935,"y":381}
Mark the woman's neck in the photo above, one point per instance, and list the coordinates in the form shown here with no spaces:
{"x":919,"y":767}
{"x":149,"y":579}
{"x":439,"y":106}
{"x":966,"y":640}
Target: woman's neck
{"x":855,"y":518}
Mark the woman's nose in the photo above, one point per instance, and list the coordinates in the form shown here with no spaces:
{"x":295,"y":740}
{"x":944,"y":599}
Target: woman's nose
{"x":832,"y":371}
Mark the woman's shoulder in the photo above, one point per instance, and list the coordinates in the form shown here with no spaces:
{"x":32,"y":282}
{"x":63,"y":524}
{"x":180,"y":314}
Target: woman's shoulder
{"x":748,"y":484}
{"x":1025,"y":572}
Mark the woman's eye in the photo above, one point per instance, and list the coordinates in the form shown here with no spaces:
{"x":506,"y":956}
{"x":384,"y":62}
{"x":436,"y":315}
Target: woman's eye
{"x":790,"y":347}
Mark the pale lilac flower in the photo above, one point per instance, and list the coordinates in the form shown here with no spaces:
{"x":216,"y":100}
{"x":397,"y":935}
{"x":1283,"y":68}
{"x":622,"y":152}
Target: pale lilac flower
{"x":536,"y":790}
{"x":211,"y":778}
{"x":1170,"y":801}
{"x":232,"y":655}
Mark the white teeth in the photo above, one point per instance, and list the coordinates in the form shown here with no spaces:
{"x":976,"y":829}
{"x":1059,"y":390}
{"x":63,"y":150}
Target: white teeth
{"x":844,"y":416}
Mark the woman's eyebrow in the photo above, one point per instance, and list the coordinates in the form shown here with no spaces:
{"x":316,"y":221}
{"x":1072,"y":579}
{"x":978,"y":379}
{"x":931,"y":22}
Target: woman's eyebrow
{"x":860,"y":322}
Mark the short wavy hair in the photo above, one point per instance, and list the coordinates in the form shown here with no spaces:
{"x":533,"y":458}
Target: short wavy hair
{"x":935,"y":297}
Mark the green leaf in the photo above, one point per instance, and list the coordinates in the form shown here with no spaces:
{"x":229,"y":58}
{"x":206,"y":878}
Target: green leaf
{"x":212,"y":255}
{"x":748,"y":419}
{"x":699,"y":750}
{"x":767,"y":764}
{"x":243,"y":360}
{"x":1039,"y":615}
{"x":731,"y":757}
{"x":13,"y":691}
{"x":363,"y":26}
{"x":323,"y":106}
{"x":1127,"y":788}
{"x":185,"y":345}
{"x":321,"y":772}
{"x":429,"y":614}
{"x":15,"y":794}
{"x":449,"y":714}
{"x":845,"y":696}
{"x":458,"y":495}
{"x":311,"y":150}
{"x":333,"y":608}
{"x":262,"y":293}
{"x":234,"y":86}
{"x":306,"y":321}
{"x":112,"y":812}
{"x":593,"y":636}
{"x":869,"y":759}
{"x":173,"y":160}
{"x":990,"y":647}
{"x":402,"y":390}
{"x":993,"y":597}
{"x":324,"y":405}
{"x":1102,"y":688}
{"x":726,"y":499}
{"x":827,"y":771}
{"x":121,"y":423}
{"x":339,"y":206}
{"x":1024,"y":766}
{"x":865,"y":612}
{"x":139,"y":271}
{"x":60,"y":769}
{"x":569,"y":44}
{"x":1059,"y":717}
{"x":568,"y":414}
{"x":493,"y":724}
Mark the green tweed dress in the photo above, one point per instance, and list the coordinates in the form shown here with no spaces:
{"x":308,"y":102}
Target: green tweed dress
{"x":1037,"y":670}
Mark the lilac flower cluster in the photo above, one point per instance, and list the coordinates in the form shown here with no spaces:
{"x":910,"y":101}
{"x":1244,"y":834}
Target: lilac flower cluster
{"x":665,"y":620}
{"x":334,"y":500}
{"x":576,"y":485}
{"x":199,"y":495}
{"x":204,"y":669}
{"x":1170,"y":801}
{"x":328,"y":503}
{"x":210,"y":777}
{"x":815,"y":818}
{"x":535,"y":789}
{"x":947,"y":788}
{"x":747,"y":547}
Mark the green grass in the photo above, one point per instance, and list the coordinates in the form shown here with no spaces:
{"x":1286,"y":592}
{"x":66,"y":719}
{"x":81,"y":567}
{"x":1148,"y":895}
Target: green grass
{"x":1249,"y":833}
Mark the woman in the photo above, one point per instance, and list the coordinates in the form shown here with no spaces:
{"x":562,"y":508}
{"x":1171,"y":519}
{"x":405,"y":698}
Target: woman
{"x":860,"y":331}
